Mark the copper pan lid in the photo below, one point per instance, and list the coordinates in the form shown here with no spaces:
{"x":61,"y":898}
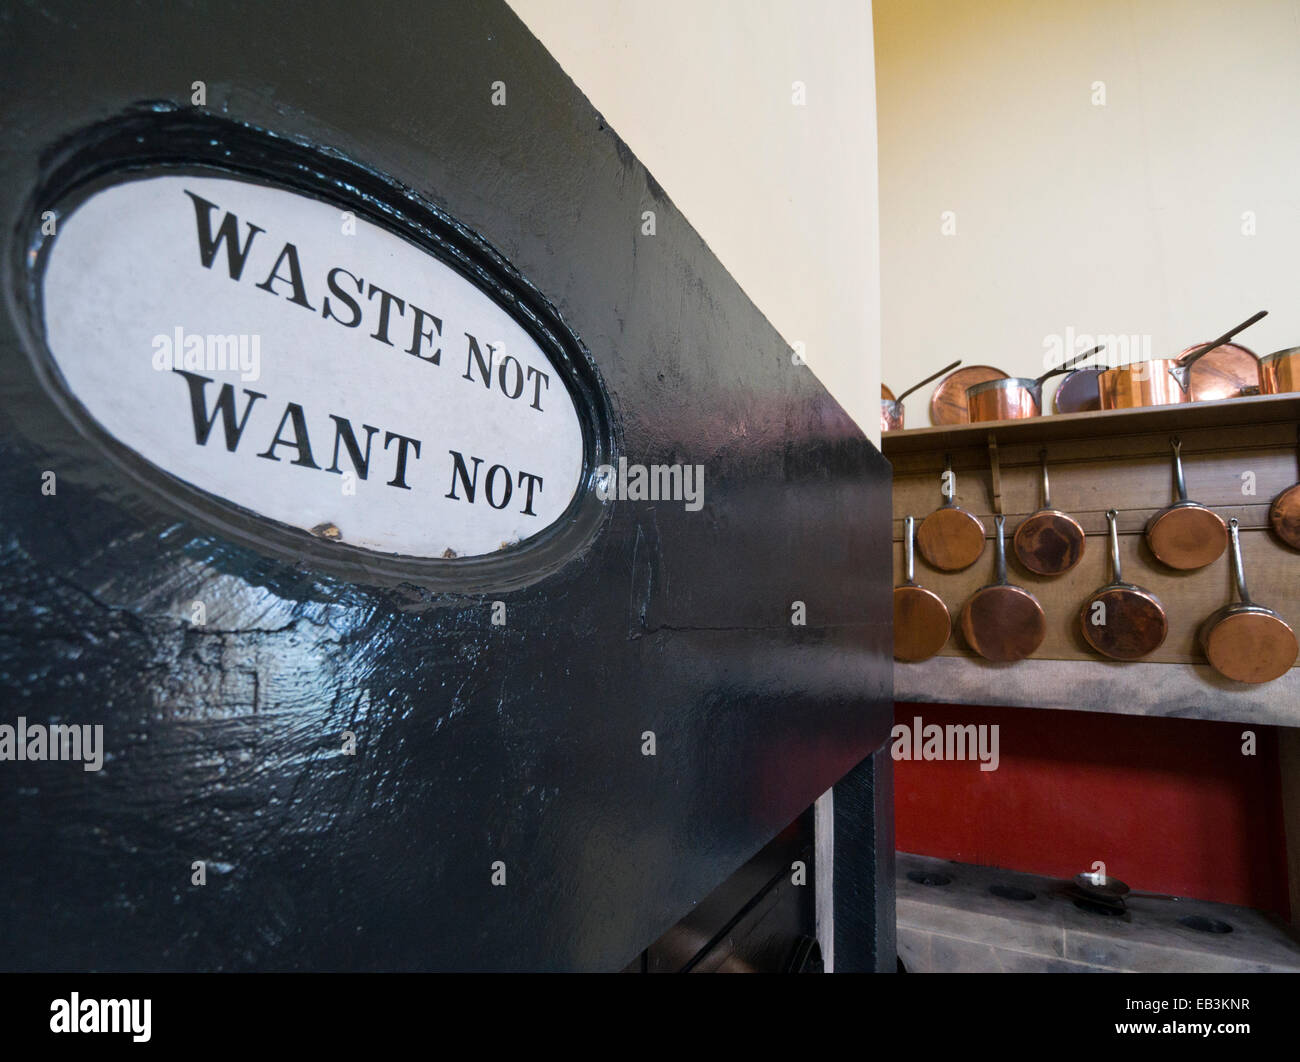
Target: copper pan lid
{"x":1079,"y":392}
{"x":1224,"y":372}
{"x":948,"y":403}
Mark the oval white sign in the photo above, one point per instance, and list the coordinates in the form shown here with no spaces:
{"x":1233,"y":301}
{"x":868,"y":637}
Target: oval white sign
{"x":309,"y":366}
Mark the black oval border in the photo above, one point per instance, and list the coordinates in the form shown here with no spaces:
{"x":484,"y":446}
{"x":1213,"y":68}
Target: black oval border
{"x":162,"y":139}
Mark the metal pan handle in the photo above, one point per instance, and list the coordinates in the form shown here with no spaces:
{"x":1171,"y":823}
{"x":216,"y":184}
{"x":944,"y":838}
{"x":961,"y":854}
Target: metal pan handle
{"x":933,"y":376}
{"x":1117,"y":575}
{"x":1188,"y":360}
{"x":1000,"y":520}
{"x":1179,"y":483}
{"x":1238,"y":571}
{"x":1068,"y":364}
{"x":909,"y":563}
{"x":1047,"y":486}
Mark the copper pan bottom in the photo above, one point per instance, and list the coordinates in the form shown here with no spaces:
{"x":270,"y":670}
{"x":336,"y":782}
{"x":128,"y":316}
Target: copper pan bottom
{"x":1249,"y":644}
{"x":1187,"y":536}
{"x":922,"y":624}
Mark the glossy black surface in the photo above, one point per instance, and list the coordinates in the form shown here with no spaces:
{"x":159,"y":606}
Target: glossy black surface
{"x":476,"y":743}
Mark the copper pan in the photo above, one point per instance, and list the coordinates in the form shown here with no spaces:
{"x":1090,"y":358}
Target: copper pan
{"x":1226,"y":371}
{"x":1002,"y":622}
{"x":891,"y":408}
{"x":921,"y":620}
{"x":1121,"y":620}
{"x":948,"y":402}
{"x":1280,"y":372}
{"x":1186,"y":535}
{"x":1160,"y":381}
{"x":1017,"y":397}
{"x":1048,"y":542}
{"x":1078,"y":392}
{"x":950,"y":538}
{"x":1244,"y":641}
{"x":1284,"y":515}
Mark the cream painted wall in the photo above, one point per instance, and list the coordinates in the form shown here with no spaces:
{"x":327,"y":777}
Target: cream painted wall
{"x":1125,"y":218}
{"x":784,"y":195}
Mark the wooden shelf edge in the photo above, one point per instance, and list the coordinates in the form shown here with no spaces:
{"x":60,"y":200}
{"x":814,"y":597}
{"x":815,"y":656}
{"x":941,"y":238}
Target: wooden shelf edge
{"x":1188,"y":691}
{"x":1262,"y":409}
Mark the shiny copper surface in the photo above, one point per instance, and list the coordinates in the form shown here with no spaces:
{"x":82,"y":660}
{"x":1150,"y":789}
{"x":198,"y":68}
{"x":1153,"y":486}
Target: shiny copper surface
{"x":1143,"y":383}
{"x":1249,"y":644}
{"x":1003,"y":623}
{"x":922,"y":623}
{"x":948,"y":403}
{"x":1187,"y":536}
{"x":950,"y":538}
{"x":1284,"y":515}
{"x":1280,"y":372}
{"x":1014,"y":398}
{"x":1224,"y":372}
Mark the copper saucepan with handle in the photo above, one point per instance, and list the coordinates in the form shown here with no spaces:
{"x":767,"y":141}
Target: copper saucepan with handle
{"x":1280,"y":372}
{"x":1244,"y":641}
{"x":1121,"y":620}
{"x":891,"y":408}
{"x":1160,"y":381}
{"x":922,"y":623}
{"x":1016,"y":397}
{"x":1187,"y":534}
{"x":1048,"y":542}
{"x":950,"y":538}
{"x":1002,"y":622}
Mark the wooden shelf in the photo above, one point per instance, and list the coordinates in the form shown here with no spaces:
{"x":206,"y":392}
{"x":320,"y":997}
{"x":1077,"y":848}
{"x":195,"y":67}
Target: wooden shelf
{"x":1098,"y":461}
{"x":1226,"y":413}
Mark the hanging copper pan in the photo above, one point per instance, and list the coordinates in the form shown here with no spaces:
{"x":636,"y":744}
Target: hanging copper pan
{"x":1015,"y":398}
{"x":921,"y":620}
{"x":1186,"y":535}
{"x":1284,"y":515}
{"x":1280,"y":372}
{"x":1244,"y":641}
{"x":1048,"y":542}
{"x":1001,"y":622}
{"x":948,"y":403}
{"x":950,"y":538}
{"x":1161,"y":381}
{"x":1121,"y":620}
{"x":891,"y":408}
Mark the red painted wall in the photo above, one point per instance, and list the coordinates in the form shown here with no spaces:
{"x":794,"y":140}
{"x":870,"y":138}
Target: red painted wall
{"x":1169,"y":805}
